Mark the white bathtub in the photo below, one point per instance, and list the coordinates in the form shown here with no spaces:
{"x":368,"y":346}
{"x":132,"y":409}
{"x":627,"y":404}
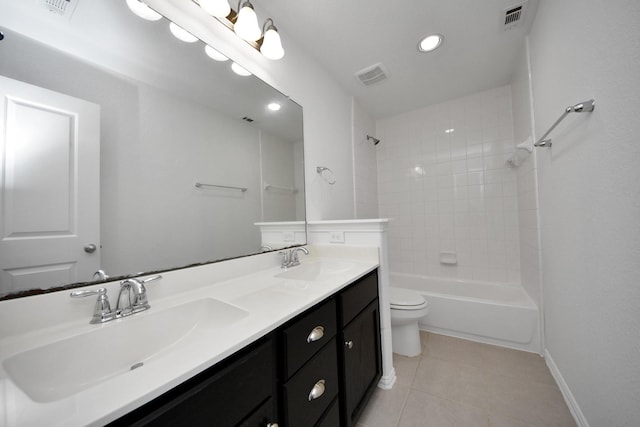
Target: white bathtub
{"x":487,"y":312}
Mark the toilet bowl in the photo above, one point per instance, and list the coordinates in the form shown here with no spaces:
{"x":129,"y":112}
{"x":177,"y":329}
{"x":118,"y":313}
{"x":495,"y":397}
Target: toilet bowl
{"x":407,"y":308}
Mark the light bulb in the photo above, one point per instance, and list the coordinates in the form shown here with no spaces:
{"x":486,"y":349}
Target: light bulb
{"x":217,"y":8}
{"x":214,"y":54}
{"x":271,"y":44}
{"x":274,"y":106}
{"x":143,"y":11}
{"x":182,"y":34}
{"x":246,"y":27}
{"x":241,"y":71}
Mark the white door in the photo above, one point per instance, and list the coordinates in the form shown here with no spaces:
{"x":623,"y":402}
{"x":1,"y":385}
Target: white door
{"x":49,"y":187}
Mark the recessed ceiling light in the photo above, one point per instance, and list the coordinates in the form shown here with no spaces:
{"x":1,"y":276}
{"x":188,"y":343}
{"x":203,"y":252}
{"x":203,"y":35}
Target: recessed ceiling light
{"x":449,"y":130}
{"x":241,"y":71}
{"x":274,"y":106}
{"x":431,"y":42}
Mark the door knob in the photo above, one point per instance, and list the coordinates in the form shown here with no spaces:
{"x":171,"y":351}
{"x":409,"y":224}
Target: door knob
{"x":90,"y":248}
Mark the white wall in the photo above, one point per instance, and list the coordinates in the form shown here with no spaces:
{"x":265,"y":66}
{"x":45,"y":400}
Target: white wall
{"x":589,"y":185}
{"x":365,"y":168}
{"x":277,"y":159}
{"x":327,"y":107}
{"x":451,"y":191}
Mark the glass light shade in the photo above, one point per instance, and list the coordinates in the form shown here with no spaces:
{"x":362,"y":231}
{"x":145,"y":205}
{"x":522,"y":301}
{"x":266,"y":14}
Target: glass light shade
{"x":246,"y":27}
{"x":241,"y":71}
{"x":143,"y":11}
{"x":214,"y":54}
{"x":429,"y":43}
{"x":217,"y":8}
{"x":272,"y":45}
{"x":182,"y":34}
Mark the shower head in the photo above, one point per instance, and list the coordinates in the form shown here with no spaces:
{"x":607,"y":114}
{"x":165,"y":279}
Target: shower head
{"x":376,"y":141}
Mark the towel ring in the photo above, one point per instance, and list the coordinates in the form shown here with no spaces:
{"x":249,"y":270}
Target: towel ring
{"x":330,"y":177}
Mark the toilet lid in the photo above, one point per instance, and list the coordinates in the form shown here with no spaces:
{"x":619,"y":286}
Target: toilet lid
{"x":405,"y":298}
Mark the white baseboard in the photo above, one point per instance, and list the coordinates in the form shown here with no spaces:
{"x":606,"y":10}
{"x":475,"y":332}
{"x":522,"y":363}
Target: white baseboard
{"x":578,"y":416}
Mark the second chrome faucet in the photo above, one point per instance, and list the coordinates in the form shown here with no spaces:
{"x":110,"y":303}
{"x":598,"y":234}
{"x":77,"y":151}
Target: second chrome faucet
{"x":290,"y":257}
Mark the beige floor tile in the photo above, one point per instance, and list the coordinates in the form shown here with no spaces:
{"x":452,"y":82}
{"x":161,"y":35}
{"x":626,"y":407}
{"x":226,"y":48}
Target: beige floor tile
{"x":530,"y":402}
{"x":454,"y":381}
{"x":425,"y":410}
{"x":501,"y":421}
{"x":384,"y":408}
{"x":516,"y":364}
{"x":455,"y":350}
{"x":405,"y":369}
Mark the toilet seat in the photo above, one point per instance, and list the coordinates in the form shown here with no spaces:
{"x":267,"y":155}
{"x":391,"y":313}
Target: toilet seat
{"x":404,"y":299}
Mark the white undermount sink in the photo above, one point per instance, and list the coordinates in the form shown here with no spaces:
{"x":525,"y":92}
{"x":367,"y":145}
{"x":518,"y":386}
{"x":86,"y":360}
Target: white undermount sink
{"x":63,"y":368}
{"x":316,"y":270}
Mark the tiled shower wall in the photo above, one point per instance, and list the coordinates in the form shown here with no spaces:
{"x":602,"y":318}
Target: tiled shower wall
{"x":443,"y":181}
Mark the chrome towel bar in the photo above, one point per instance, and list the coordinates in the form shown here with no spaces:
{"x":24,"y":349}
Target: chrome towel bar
{"x":583,"y":107}
{"x":200,"y":184}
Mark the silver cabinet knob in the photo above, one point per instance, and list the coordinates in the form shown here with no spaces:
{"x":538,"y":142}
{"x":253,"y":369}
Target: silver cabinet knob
{"x":317,"y":390}
{"x":348,"y":344}
{"x":316,"y":334}
{"x":272,"y":425}
{"x":90,"y":248}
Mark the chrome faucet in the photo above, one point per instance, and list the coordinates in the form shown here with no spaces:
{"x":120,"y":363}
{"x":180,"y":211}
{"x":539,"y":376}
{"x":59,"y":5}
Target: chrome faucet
{"x":131,"y":299}
{"x":290,"y":258}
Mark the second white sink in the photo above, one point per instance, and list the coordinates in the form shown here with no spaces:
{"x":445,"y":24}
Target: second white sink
{"x":316,"y":270}
{"x":63,"y":368}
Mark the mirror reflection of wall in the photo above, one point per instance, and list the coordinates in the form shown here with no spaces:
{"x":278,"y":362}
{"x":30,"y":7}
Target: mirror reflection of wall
{"x":156,"y":141}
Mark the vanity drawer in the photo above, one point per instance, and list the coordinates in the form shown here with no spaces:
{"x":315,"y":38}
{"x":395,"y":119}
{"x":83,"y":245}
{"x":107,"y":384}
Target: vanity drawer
{"x":320,"y":373}
{"x":307,"y":335}
{"x":356,"y":297}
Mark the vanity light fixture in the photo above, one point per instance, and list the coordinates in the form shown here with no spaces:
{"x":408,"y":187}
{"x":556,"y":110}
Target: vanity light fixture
{"x":274,"y":106}
{"x":246,"y":26}
{"x":214,"y":54}
{"x":216,"y":8}
{"x":143,"y":11}
{"x":244,"y":23}
{"x":182,"y":34}
{"x":241,"y":71}
{"x":430,"y":43}
{"x":271,"y":44}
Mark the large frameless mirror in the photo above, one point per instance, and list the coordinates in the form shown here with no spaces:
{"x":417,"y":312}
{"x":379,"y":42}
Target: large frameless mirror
{"x":126,"y":150}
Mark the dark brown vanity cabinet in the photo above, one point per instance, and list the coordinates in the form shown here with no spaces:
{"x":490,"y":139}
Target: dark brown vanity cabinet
{"x":360,"y":349}
{"x":319,"y":369}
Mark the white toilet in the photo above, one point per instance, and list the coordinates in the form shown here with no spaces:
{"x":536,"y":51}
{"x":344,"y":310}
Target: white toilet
{"x":407,"y":308}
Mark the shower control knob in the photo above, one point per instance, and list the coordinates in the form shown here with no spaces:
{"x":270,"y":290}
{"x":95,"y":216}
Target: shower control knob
{"x":348,"y":344}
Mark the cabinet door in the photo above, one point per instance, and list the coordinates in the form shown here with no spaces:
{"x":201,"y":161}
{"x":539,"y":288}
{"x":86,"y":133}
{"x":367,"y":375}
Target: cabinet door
{"x":362,"y":362}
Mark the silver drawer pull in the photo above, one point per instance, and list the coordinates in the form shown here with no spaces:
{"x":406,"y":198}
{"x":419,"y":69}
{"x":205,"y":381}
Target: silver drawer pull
{"x":317,"y":390}
{"x":316,"y":334}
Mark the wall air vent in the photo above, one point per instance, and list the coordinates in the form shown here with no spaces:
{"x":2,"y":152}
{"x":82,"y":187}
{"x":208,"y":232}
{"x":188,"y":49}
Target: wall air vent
{"x":371,"y":75}
{"x":60,"y":7}
{"x":513,"y":15}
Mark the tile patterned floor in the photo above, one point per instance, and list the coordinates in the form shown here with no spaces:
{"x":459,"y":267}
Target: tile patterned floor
{"x":462,"y":383}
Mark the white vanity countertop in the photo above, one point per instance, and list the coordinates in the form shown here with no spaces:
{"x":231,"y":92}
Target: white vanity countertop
{"x":269,"y":302}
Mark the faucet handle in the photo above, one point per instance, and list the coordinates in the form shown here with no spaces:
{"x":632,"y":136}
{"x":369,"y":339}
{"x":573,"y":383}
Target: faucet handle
{"x":102,"y":311}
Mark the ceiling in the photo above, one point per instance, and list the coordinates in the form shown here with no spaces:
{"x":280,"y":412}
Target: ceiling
{"x":347,"y":36}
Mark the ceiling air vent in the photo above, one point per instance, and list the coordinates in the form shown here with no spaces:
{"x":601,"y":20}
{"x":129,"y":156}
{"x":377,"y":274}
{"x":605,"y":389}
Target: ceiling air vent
{"x":60,"y":7}
{"x":513,"y":15}
{"x":371,"y":75}
{"x":247,"y":119}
